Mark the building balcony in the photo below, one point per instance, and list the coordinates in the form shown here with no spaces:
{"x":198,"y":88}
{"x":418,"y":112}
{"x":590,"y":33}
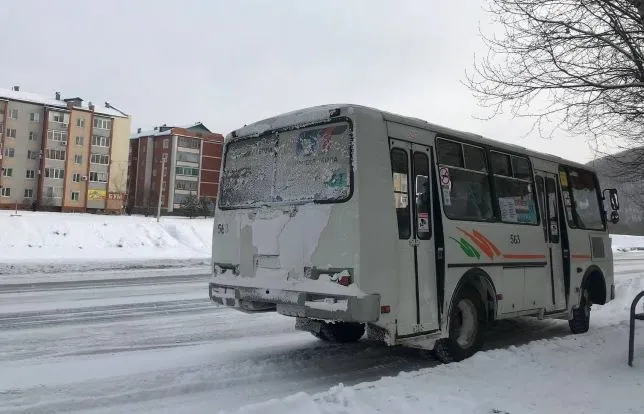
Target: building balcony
{"x":187,"y":149}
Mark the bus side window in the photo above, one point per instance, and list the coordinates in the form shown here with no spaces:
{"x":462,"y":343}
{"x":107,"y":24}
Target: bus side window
{"x":553,"y":216}
{"x":541,"y":193}
{"x":422,"y":192}
{"x":400,"y":171}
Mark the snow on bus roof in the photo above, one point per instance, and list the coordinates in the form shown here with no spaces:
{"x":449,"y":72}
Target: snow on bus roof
{"x":321,"y":113}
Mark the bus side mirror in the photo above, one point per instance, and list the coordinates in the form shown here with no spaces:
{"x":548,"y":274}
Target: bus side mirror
{"x":614,"y":200}
{"x":614,"y":217}
{"x":612,"y":196}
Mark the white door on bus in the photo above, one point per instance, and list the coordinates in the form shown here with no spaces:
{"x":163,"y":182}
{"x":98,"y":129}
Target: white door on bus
{"x":417,"y":308}
{"x":549,"y":204}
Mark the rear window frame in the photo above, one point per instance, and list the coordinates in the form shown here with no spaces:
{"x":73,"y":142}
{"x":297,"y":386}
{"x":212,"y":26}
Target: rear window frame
{"x":329,"y":121}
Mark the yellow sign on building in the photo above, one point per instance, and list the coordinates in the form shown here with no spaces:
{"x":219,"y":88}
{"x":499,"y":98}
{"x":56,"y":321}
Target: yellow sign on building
{"x":96,"y":195}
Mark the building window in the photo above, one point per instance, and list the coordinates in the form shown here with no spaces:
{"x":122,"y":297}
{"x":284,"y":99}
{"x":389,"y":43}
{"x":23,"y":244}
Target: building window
{"x":29,"y":193}
{"x":102,"y":123}
{"x":13,"y":113}
{"x":100,"y":141}
{"x":80,"y":122}
{"x":11,"y":132}
{"x":9,"y":152}
{"x":56,"y":135}
{"x":59,"y":117}
{"x":5,"y":192}
{"x":80,"y":140}
{"x":32,"y":155}
{"x":193,"y":172}
{"x":78,"y":159}
{"x":32,"y":136}
{"x":34,"y":117}
{"x":166,"y":143}
{"x":186,"y":185}
{"x":189,"y":143}
{"x":7,"y":172}
{"x":75,"y":196}
{"x":57,"y":173}
{"x":76,"y":177}
{"x":54,"y":154}
{"x":30,"y":174}
{"x":97,"y":177}
{"x":100,"y":159}
{"x":187,"y":157}
{"x":53,"y":192}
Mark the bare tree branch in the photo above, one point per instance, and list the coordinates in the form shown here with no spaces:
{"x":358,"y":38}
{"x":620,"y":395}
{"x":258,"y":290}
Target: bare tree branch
{"x":577,"y":63}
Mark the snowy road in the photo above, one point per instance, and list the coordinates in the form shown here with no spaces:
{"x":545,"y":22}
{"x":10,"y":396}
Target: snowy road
{"x":154,"y":343}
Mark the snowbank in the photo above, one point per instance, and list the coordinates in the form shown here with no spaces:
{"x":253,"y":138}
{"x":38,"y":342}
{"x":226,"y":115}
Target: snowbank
{"x":623,"y":243}
{"x":37,"y":237}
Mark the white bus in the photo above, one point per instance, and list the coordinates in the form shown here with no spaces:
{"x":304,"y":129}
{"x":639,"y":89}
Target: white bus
{"x":352,"y":219}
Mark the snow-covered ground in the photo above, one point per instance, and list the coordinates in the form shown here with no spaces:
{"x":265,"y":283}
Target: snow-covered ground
{"x":137,"y":342}
{"x":626,"y":243}
{"x":41,"y":241}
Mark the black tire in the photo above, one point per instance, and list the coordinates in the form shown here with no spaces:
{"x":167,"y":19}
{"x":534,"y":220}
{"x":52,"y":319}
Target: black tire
{"x":580,"y":322}
{"x":341,"y":332}
{"x":319,"y":335}
{"x":453,"y":349}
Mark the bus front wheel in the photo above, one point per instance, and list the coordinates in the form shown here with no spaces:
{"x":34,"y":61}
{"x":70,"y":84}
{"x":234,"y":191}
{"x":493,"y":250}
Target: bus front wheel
{"x":580,"y":322}
{"x":466,"y":328}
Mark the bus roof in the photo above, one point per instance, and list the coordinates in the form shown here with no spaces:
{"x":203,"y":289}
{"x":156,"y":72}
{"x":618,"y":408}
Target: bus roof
{"x":321,"y":113}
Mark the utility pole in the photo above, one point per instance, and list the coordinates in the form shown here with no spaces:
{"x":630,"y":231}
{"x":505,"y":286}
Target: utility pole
{"x":161,"y":188}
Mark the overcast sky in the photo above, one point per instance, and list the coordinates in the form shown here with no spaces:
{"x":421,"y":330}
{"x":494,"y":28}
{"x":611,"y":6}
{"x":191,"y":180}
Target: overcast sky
{"x":229,"y":63}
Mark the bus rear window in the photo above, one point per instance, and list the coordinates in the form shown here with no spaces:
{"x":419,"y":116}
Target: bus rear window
{"x":303,"y":165}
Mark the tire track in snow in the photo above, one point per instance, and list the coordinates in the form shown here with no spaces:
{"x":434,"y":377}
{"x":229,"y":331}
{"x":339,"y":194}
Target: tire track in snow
{"x":101,"y":314}
{"x":107,"y":283}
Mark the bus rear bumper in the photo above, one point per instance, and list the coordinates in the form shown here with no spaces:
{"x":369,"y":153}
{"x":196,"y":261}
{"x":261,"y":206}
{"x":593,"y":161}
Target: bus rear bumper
{"x":311,"y":305}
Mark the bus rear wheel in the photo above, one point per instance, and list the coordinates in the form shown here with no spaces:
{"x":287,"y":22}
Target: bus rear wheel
{"x":340,"y":332}
{"x":466,"y":328}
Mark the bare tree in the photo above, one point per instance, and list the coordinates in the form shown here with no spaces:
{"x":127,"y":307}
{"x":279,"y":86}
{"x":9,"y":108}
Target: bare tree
{"x":576,"y":63}
{"x":118,"y":179}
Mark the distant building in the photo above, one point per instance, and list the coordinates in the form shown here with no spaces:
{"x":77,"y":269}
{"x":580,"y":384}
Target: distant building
{"x":192,"y":158}
{"x":61,"y":154}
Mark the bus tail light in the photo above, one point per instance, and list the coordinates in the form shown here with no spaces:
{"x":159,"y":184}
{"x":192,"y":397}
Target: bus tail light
{"x":344,"y":280}
{"x":385,"y":309}
{"x":341,"y":276}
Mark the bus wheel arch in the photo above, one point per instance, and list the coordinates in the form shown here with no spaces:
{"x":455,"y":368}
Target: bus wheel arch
{"x":595,"y":283}
{"x":472,"y":305}
{"x":479,"y":279}
{"x":592,"y":290}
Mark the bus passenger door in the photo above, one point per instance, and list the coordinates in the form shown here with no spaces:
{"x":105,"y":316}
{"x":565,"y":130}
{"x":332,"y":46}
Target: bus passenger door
{"x":418,"y":310}
{"x":547,"y":190}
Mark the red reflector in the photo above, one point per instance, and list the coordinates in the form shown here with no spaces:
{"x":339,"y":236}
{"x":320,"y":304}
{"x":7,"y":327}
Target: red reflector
{"x":499,"y":296}
{"x":385,"y":309}
{"x":345,"y":280}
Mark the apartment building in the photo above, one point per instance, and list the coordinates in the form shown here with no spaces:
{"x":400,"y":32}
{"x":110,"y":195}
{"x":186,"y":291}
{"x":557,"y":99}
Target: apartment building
{"x":61,"y":154}
{"x":187,"y":157}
